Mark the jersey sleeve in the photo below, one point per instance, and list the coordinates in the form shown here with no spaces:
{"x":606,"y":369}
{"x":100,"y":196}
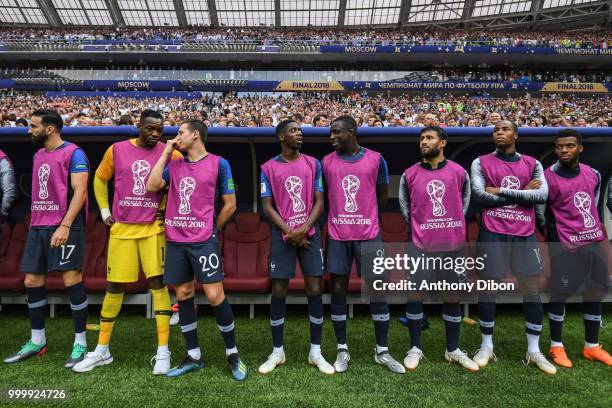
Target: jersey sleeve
{"x":79,"y":162}
{"x":266,"y":188}
{"x":319,"y":178}
{"x":383,"y":172}
{"x":225,"y":182}
{"x":106,"y":169}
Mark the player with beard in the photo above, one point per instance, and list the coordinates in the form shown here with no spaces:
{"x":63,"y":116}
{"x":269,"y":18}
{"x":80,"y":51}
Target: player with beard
{"x":195,"y":186}
{"x":56,"y":237}
{"x":507,"y":185}
{"x":578,"y":263}
{"x":434,"y":196}
{"x":292,"y":198}
{"x":357,"y":181}
{"x":136,"y":238}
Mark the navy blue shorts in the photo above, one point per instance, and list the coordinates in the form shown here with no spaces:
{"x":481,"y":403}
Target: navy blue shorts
{"x":580,"y":271}
{"x":186,"y":260}
{"x":340,"y":256}
{"x":502,"y":252}
{"x":437,"y":266}
{"x":39,"y":258}
{"x":283,"y":256}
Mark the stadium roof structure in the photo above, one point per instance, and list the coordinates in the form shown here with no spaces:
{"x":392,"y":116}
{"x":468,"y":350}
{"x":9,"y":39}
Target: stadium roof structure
{"x":486,"y":14}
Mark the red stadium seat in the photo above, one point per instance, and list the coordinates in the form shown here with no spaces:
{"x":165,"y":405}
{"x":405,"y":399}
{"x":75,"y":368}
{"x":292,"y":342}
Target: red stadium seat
{"x":246,"y":249}
{"x":5,"y":236}
{"x":393,"y":228}
{"x":94,"y":270}
{"x":11,"y":277}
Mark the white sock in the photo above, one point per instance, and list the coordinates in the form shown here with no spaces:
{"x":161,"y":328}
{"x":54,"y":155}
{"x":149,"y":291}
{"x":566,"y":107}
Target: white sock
{"x":533,"y":343}
{"x":278,"y":350}
{"x":233,"y":350}
{"x":195,"y":353}
{"x":487,"y":341}
{"x":342,"y":346}
{"x":590,"y":345}
{"x":315,"y":349}
{"x":162,"y":350}
{"x":380,"y":349}
{"x":80,"y":338}
{"x":102,"y":349}
{"x":556,"y":344}
{"x":38,"y":337}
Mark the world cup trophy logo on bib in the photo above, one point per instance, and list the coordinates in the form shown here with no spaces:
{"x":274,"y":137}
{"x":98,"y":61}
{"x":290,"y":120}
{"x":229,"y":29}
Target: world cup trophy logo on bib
{"x":186,"y":187}
{"x":511,"y":183}
{"x":436,"y":190}
{"x":293,"y":185}
{"x":44,"y":172}
{"x":140,"y":171}
{"x":350,"y":186}
{"x":582,"y":201}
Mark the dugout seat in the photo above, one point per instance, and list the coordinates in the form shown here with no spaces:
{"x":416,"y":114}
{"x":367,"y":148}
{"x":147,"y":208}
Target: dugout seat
{"x":246,"y":251}
{"x":394,"y":233}
{"x":11,"y":278}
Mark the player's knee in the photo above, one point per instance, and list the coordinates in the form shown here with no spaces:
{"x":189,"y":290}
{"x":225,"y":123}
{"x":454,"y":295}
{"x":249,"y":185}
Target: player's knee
{"x":530,"y":286}
{"x":215,"y":297}
{"x":34,"y":281}
{"x":71,"y":278}
{"x":415,"y":296}
{"x":115,"y":287}
{"x":280,"y":287}
{"x":184,"y":292}
{"x":339,"y":285}
{"x":156,"y":282}
{"x":313,"y":288}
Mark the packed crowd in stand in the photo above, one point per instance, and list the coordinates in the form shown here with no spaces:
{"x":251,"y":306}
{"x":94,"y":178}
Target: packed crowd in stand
{"x":311,"y":109}
{"x":323,"y":36}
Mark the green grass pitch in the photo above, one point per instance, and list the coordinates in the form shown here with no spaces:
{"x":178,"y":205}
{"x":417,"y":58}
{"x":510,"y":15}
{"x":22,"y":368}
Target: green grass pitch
{"x":128,"y":380}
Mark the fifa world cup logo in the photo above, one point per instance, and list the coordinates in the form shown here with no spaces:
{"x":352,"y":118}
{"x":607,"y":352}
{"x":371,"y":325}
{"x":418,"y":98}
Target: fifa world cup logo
{"x":511,"y":183}
{"x":436,"y":190}
{"x":350,"y":186}
{"x":293,"y":185}
{"x":140,"y":171}
{"x":44,"y":172}
{"x":582,"y":201}
{"x":186,"y":187}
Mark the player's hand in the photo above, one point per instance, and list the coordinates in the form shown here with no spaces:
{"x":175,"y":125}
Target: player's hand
{"x":297,"y":235}
{"x":60,"y":236}
{"x":109,"y":220}
{"x":533,"y":185}
{"x":171,"y":145}
{"x":492,"y":190}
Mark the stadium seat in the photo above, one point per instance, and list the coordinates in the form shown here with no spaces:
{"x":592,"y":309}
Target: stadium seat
{"x":393,"y":228}
{"x":95,"y":256}
{"x":11,"y":278}
{"x":246,"y":249}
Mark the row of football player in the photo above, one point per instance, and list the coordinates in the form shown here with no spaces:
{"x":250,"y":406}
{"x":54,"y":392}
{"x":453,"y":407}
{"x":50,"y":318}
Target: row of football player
{"x":356,"y":181}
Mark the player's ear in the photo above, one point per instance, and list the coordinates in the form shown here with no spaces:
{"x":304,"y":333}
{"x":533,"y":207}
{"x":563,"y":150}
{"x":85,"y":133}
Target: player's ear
{"x":580,"y":148}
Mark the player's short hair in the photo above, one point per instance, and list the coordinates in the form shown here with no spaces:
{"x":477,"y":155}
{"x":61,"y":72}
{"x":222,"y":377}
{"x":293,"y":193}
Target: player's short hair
{"x":197,"y":124}
{"x":150,"y":113}
{"x":347,"y":121}
{"x":512,"y":124}
{"x":569,"y":133}
{"x":442,"y":135}
{"x":281,"y":127}
{"x":49,"y":117}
